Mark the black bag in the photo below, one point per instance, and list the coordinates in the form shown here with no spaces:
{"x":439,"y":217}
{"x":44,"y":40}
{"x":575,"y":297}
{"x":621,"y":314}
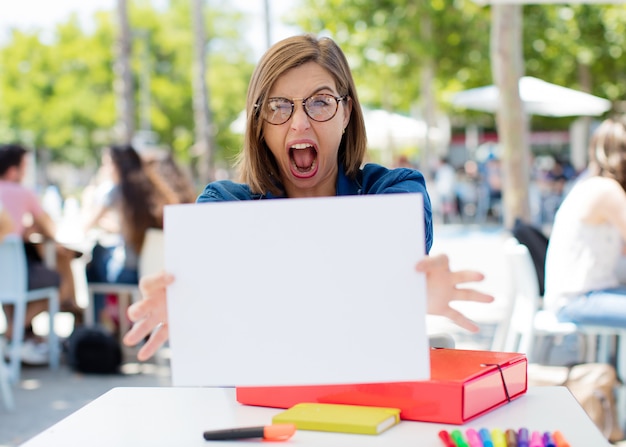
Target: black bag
{"x":94,"y":350}
{"x":537,"y":244}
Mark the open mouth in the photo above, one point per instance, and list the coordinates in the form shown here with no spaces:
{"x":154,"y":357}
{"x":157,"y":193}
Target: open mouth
{"x":303,"y":158}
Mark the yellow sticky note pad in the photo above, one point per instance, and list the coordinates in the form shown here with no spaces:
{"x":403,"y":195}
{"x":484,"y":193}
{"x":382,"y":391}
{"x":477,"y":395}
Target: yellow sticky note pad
{"x":339,"y":418}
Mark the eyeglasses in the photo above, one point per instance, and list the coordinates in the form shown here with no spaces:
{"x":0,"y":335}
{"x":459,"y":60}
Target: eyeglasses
{"x":319,"y":107}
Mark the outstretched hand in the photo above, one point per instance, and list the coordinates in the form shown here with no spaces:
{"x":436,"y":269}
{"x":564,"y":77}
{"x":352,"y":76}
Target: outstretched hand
{"x":150,"y":315}
{"x":442,"y":288}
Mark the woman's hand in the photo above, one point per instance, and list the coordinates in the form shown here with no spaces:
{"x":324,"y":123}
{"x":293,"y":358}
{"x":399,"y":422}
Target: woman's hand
{"x":441,"y":289}
{"x":150,"y":315}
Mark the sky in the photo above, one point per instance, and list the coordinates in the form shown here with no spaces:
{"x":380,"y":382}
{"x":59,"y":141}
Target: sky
{"x":44,"y":14}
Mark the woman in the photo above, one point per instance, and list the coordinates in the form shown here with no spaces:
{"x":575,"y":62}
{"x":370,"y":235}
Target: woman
{"x":588,"y":235}
{"x":130,"y":205}
{"x":305,"y":137}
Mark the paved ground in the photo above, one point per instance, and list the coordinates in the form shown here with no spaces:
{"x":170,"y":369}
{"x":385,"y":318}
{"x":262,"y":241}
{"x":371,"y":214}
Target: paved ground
{"x":44,"y":397}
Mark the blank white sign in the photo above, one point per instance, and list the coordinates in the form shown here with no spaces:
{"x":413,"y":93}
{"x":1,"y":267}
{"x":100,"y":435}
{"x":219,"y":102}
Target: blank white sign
{"x":297,"y":291}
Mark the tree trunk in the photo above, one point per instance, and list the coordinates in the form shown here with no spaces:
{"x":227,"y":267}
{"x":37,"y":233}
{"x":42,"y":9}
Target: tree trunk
{"x":268,"y":23}
{"x":507,"y":67}
{"x":123,"y":84}
{"x":204,"y":134}
{"x":427,"y":93}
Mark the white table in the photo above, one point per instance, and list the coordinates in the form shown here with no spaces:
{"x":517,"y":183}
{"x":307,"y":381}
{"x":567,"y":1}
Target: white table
{"x":166,"y":417}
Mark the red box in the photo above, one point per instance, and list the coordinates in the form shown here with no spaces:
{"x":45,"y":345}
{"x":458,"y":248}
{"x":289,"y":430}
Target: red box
{"x":464,"y":384}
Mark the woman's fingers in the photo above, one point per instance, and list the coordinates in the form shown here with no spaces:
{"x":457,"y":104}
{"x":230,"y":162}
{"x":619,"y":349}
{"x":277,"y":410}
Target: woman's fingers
{"x":149,"y":315}
{"x":461,"y":320}
{"x":443,"y":288}
{"x":156,"y":340}
{"x":472,"y":295}
{"x":462,"y":276}
{"x":434,"y":262}
{"x":155,"y":284}
{"x":140,"y":330}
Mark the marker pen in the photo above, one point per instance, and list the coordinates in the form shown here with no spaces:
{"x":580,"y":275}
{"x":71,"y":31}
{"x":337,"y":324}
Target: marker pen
{"x":275,"y":432}
{"x":485,"y":437}
{"x":511,"y":438}
{"x":548,"y":440}
{"x":560,"y":440}
{"x":457,"y":436}
{"x":536,"y":440}
{"x":522,"y":438}
{"x":497,"y":436}
{"x":473,"y":439}
{"x":447,"y":440}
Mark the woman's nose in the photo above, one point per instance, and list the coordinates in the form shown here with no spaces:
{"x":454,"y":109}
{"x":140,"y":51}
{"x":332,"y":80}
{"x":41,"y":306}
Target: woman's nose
{"x":299,"y":119}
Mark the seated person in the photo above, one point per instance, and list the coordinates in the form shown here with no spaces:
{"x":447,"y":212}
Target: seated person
{"x":22,"y":204}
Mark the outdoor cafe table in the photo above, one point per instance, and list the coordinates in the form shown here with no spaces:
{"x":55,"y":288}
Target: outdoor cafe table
{"x":168,"y":416}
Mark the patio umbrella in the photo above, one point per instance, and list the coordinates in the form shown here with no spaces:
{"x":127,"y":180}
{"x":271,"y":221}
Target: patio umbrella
{"x":388,"y":130}
{"x":538,"y":97}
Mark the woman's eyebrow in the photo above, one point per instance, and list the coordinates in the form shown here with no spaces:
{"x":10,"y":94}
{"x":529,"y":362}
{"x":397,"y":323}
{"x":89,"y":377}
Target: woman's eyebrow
{"x":314,"y":92}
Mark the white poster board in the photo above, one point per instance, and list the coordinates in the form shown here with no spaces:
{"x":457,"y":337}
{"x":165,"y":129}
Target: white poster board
{"x":297,"y":291}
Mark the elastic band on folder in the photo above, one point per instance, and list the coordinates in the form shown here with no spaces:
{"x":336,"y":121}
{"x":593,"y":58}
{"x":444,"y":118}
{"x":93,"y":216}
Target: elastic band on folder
{"x":506,"y":390}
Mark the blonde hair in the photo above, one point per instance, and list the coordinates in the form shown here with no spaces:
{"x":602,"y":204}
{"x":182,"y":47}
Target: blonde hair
{"x":607,"y":150}
{"x":257,"y":166}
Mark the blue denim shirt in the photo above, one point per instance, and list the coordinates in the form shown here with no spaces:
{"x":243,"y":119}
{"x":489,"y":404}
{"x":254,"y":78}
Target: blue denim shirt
{"x":371,"y":179}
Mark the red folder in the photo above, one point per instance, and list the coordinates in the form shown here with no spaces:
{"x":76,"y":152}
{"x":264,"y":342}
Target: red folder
{"x":464,"y":384}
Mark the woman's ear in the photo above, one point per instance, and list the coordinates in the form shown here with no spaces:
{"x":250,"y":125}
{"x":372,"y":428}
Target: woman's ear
{"x":347,"y":110}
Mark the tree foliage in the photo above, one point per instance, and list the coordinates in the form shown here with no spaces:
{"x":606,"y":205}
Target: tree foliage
{"x":579,"y":46}
{"x":57,"y":93}
{"x":384,"y":42}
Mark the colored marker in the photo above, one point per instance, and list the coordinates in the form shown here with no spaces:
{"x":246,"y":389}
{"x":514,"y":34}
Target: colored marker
{"x":447,"y":440}
{"x":560,"y":440}
{"x":536,"y":440}
{"x":511,"y":438}
{"x":548,"y":440}
{"x":473,"y":439}
{"x":485,"y":437}
{"x":275,"y":432}
{"x":522,"y":438}
{"x":457,"y":436}
{"x":497,"y":436}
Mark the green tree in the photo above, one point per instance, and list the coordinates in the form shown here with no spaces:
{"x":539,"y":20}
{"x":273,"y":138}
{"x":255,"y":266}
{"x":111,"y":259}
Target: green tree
{"x":57,"y":93}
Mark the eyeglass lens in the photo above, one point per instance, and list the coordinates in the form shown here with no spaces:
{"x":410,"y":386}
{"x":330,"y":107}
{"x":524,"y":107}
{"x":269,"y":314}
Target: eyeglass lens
{"x":321,"y":107}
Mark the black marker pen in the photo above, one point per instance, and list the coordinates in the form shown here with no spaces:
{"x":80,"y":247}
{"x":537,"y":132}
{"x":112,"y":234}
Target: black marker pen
{"x":275,"y":432}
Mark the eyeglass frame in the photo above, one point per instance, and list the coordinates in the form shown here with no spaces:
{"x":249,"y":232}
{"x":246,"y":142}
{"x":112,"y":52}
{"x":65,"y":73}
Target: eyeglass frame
{"x":292,"y":101}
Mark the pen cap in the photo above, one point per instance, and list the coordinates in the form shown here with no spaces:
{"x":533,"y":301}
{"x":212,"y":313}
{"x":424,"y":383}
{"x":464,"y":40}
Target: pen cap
{"x":278,"y":432}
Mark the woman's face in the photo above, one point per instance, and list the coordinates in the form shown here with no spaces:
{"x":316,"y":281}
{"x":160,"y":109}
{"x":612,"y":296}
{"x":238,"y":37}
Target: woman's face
{"x":305,"y":149}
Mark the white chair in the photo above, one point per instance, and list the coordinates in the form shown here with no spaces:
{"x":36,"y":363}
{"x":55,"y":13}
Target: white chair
{"x":5,"y":380}
{"x":528,"y":321}
{"x":14,"y":290}
{"x":150,"y":261}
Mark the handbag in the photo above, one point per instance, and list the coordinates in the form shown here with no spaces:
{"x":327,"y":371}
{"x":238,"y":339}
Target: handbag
{"x":94,"y":350}
{"x":592,"y":384}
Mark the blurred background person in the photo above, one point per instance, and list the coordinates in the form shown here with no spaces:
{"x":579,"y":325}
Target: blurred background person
{"x":127,"y":202}
{"x":29,"y":218}
{"x":445,"y":191}
{"x":589,"y":235}
{"x":162,"y":168}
